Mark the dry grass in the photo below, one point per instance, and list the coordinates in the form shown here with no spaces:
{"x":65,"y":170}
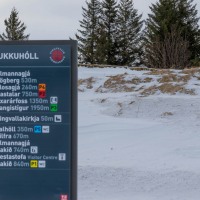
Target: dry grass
{"x":149,"y":91}
{"x":120,"y":79}
{"x":147,"y":80}
{"x":165,"y":114}
{"x":174,"y":78}
{"x":119,"y":84}
{"x":159,"y":72}
{"x":139,"y":89}
{"x":167,"y":88}
{"x":140,"y":69}
{"x":88,"y":83}
{"x":191,"y":71}
{"x":168,"y":82}
{"x":100,"y":66}
{"x":122,"y":88}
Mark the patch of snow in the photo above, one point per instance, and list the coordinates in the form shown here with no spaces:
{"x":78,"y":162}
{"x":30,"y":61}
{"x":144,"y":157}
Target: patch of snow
{"x":134,"y":147}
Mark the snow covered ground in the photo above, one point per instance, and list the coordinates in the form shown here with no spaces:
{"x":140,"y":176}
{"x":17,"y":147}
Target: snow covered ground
{"x":139,"y":134}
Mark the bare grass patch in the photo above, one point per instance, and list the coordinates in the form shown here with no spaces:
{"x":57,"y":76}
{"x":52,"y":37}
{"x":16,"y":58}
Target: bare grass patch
{"x":147,"y":80}
{"x":87,"y":83}
{"x":165,"y":114}
{"x":191,"y":71}
{"x":118,"y":83}
{"x":169,"y":78}
{"x":159,"y":72}
{"x":167,"y":88}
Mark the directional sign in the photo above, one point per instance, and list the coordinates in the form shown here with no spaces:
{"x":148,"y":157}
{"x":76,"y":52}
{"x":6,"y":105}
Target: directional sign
{"x":38,"y":122}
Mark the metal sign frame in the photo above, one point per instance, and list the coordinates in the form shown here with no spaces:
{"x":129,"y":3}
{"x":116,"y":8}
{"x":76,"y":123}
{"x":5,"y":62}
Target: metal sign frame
{"x":73,"y":45}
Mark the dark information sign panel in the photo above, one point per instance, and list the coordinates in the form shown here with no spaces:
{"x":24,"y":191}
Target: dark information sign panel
{"x":38,"y":120}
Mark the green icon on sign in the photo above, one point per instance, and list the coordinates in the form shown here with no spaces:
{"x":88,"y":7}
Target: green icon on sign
{"x":54,"y":107}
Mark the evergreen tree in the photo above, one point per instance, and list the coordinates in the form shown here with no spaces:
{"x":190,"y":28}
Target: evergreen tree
{"x":129,"y":26}
{"x":187,"y":17}
{"x":14,"y":28}
{"x":165,"y":15}
{"x":158,"y":24}
{"x":108,"y":31}
{"x":102,"y":44}
{"x":88,"y":33}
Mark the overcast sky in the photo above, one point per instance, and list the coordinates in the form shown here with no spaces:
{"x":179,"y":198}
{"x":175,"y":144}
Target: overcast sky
{"x":55,"y":19}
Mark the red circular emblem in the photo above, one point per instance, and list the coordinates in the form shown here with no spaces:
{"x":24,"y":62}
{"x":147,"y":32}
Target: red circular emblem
{"x":57,"y":55}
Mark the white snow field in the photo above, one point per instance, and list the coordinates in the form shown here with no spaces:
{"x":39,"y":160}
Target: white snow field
{"x":139,"y":134}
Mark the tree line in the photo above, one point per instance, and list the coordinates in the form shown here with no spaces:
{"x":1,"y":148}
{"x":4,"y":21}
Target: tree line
{"x":114,"y":33}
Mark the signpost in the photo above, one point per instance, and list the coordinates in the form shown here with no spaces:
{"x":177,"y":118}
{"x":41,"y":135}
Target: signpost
{"x":38,"y":120}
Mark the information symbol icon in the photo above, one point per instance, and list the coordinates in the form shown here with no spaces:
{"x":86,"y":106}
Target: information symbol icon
{"x":57,"y":118}
{"x":42,"y":164}
{"x":54,"y":107}
{"x":37,"y":129}
{"x":34,"y":149}
{"x":45,"y":129}
{"x":62,"y":156}
{"x":53,"y":100}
